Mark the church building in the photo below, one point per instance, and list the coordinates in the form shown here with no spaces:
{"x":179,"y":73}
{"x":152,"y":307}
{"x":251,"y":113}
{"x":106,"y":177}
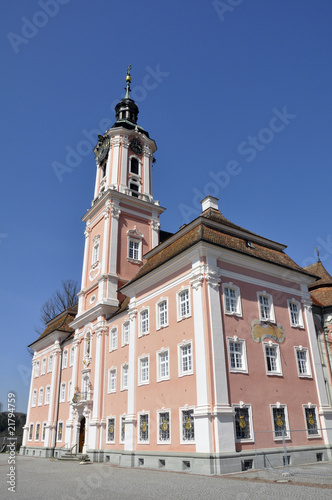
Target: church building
{"x":190,"y":351}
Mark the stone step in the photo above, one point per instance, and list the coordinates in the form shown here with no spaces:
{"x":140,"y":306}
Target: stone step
{"x":74,"y":457}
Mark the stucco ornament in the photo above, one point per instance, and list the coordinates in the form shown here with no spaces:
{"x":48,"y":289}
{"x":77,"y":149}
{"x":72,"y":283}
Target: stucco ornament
{"x":261,"y":330}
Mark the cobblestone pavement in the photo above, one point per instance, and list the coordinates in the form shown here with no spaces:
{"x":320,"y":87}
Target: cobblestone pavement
{"x":49,"y":479}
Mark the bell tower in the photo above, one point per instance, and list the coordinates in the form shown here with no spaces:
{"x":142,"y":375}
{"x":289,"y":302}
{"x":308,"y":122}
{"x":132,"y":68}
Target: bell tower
{"x":123,"y":221}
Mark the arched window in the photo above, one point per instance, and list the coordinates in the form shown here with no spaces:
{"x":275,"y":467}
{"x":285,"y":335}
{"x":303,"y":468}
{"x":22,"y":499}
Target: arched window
{"x":134,"y":166}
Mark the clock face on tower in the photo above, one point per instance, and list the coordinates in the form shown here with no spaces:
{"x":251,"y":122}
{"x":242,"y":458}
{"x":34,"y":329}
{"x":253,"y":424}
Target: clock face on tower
{"x":101,"y":150}
{"x":136,"y":146}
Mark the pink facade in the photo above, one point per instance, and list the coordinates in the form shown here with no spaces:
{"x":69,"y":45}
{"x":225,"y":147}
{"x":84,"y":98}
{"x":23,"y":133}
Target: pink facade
{"x":200,"y":344}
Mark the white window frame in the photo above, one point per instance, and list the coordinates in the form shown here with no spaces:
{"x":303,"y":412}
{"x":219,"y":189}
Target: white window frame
{"x":181,"y":348}
{"x":162,"y":313}
{"x":271,"y":318}
{"x":124,"y":387}
{"x":139,"y":415}
{"x":95,"y":250}
{"x":65,"y":358}
{"x":140,"y":329}
{"x":114,"y":339}
{"x":112,"y":376}
{"x":136,"y":237}
{"x":37,"y":369}
{"x":63,"y":392}
{"x":242,"y":342}
{"x":237,"y":298}
{"x":60,"y":424}
{"x":139,"y":166}
{"x":305,"y":350}
{"x":43,"y":432}
{"x":72,"y":356}
{"x":179,"y":302}
{"x":40,"y":396}
{"x":122,"y":438}
{"x":70,"y":390}
{"x":50,"y":363}
{"x":299,"y":323}
{"x":266,"y":346}
{"x":159,"y":354}
{"x":248,"y":407}
{"x":125,"y":326}
{"x":182,"y":440}
{"x":287,"y":433}
{"x":141,"y":359}
{"x":110,"y":417}
{"x":313,"y":408}
{"x":43,"y":366}
{"x":159,"y":413}
{"x":37,"y":428}
{"x":47,"y":394}
{"x":34,"y":398}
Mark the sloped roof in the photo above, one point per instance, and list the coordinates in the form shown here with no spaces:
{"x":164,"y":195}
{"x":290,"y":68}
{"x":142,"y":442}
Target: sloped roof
{"x":214,"y":228}
{"x":321,"y":289}
{"x":60,"y":323}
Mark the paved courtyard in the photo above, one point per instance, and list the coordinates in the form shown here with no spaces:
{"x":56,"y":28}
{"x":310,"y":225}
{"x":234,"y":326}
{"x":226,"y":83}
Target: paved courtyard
{"x":49,"y":479}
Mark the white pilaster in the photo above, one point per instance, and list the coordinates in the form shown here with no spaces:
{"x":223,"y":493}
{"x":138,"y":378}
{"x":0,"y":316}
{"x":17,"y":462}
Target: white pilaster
{"x":202,"y":414}
{"x":54,"y":396}
{"x":85,"y":259}
{"x":115,"y":212}
{"x":147,"y":188}
{"x":155,"y":225}
{"x":115,"y":160}
{"x":97,"y":182}
{"x":222,"y":412}
{"x":106,"y":214}
{"x":130,"y":422}
{"x":97,"y":386}
{"x":124,"y":163}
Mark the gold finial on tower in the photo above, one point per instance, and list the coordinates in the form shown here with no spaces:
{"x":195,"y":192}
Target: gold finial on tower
{"x":128,"y":81}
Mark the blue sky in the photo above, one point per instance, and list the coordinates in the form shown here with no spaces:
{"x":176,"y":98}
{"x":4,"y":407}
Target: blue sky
{"x":237,"y":95}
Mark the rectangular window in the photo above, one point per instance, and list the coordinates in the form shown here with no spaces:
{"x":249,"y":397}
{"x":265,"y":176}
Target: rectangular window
{"x":184,"y":304}
{"x":37,"y":369}
{"x":272,"y":359}
{"x":112,"y":380}
{"x":111,"y":430}
{"x":144,"y":370}
{"x":34,"y":397}
{"x":162,"y":314}
{"x":70,"y":384}
{"x":133,"y":252}
{"x":264,"y":307}
{"x":65,"y":359}
{"x":60,"y":429}
{"x":295,"y":313}
{"x":125,"y":333}
{"x":237,"y":355}
{"x":63,"y":392}
{"x":114,"y":339}
{"x":72,"y":353}
{"x":40,"y":397}
{"x":50,"y":363}
{"x":143,"y":428}
{"x":242,"y":423}
{"x":188,"y":428}
{"x":232,"y":302}
{"x":163,"y":365}
{"x":144,"y":322}
{"x":125,"y":377}
{"x":303,"y":365}
{"x":30,"y":432}
{"x":279,"y":422}
{"x":122,"y":429}
{"x":185,"y":359}
{"x":44,"y":431}
{"x":47,"y":395}
{"x":164,"y":435}
{"x":43,"y":366}
{"x":95,"y":253}
{"x":311,"y":421}
{"x":37,"y":432}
